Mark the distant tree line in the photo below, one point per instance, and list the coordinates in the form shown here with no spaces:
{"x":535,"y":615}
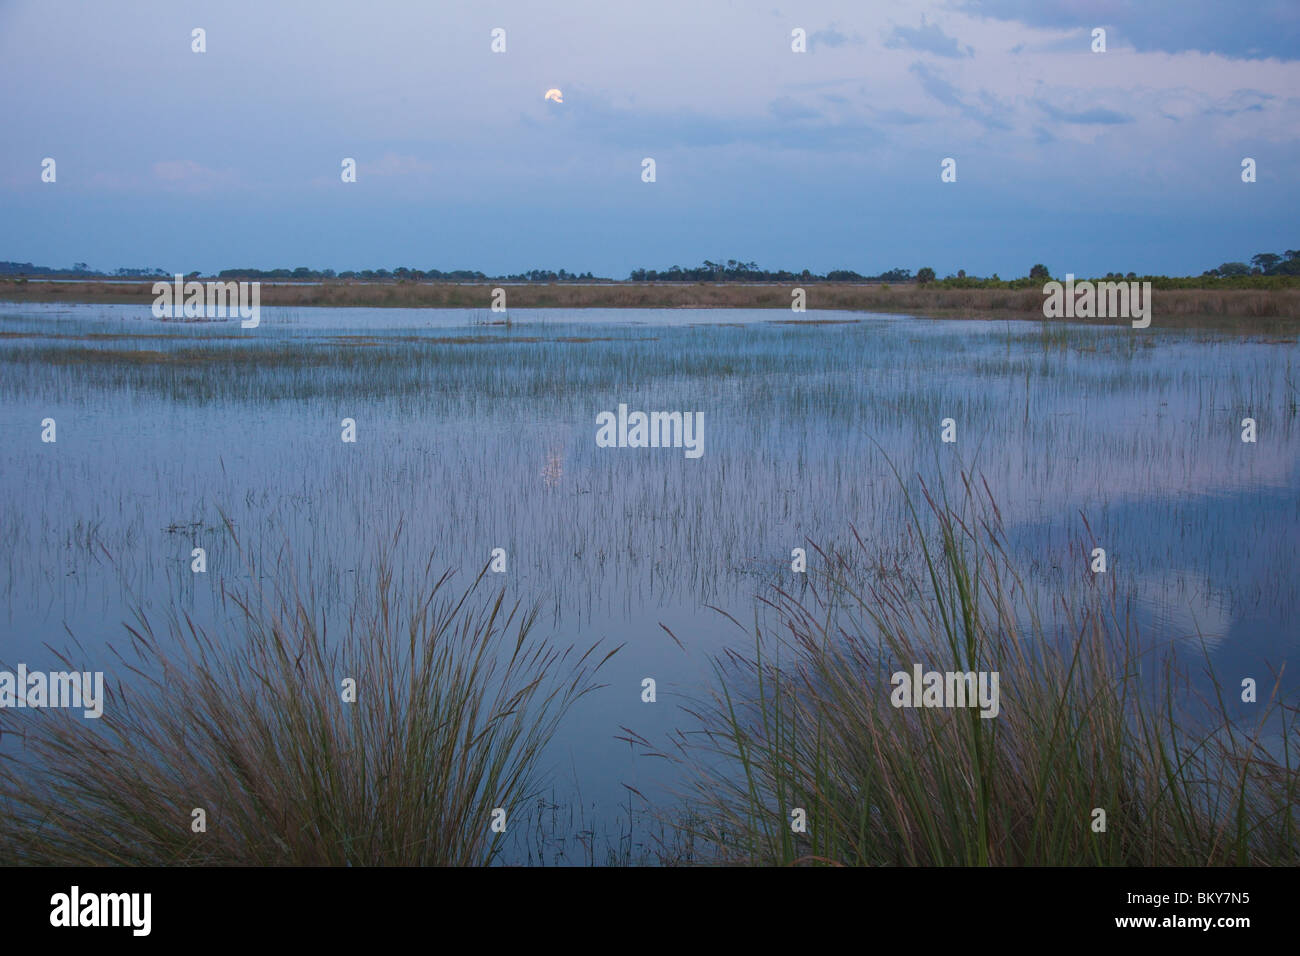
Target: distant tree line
{"x":78,"y":270}
{"x":734,"y":271}
{"x":407,"y":274}
{"x":1262,"y":264}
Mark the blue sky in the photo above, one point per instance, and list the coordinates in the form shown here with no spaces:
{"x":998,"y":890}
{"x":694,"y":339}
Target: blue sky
{"x":1087,"y":162}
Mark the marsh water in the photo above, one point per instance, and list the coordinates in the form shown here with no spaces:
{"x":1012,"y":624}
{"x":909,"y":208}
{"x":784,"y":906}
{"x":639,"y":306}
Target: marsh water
{"x":479,"y":436}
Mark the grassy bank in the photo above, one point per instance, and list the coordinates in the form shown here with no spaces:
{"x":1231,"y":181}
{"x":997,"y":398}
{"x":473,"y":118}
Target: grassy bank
{"x":454,"y":700}
{"x":1089,"y":722}
{"x":1262,"y":304}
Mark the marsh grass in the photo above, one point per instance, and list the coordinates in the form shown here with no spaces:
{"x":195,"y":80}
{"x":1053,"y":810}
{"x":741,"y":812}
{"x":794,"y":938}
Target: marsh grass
{"x":1137,"y":431}
{"x":1271,"y":309}
{"x":456,"y":699}
{"x":1088,"y":719}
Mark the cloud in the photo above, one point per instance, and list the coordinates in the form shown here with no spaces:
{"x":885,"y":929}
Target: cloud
{"x":187,"y":175}
{"x":927,"y":38}
{"x":936,"y":86}
{"x":897,"y":117}
{"x":788,"y":124}
{"x":943,"y":91}
{"x":1266,"y":28}
{"x":397,"y":164}
{"x":832,"y":37}
{"x":788,"y":108}
{"x":1241,"y":101}
{"x":1098,"y":116}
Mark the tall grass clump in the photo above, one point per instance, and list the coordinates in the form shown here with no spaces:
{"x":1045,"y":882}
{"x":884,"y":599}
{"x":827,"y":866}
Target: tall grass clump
{"x":455,"y":700}
{"x":1089,"y":720}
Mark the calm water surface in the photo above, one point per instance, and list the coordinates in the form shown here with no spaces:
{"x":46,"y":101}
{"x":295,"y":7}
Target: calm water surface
{"x":482,"y":436}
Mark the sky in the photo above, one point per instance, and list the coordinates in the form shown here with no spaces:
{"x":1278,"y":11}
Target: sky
{"x":1088,"y":162}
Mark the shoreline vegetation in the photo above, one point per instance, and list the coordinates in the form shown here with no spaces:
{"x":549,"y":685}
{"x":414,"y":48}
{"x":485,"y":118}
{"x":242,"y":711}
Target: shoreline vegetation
{"x":1253,"y":304}
{"x":394,"y":735}
{"x":456,"y":699}
{"x":1101,"y":755}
